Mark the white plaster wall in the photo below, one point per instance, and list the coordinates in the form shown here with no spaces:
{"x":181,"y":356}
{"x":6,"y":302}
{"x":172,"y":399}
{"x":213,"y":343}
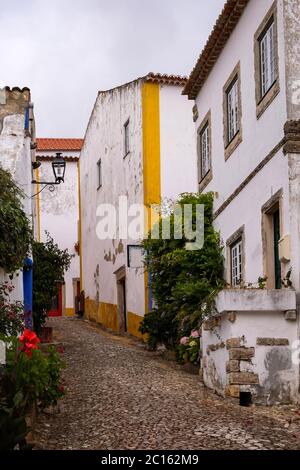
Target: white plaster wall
{"x":259,"y":136}
{"x":177,"y":143}
{"x":15,"y":156}
{"x":259,"y":139}
{"x":282,"y":374}
{"x":120,"y":176}
{"x":245,"y":209}
{"x":59,"y":214}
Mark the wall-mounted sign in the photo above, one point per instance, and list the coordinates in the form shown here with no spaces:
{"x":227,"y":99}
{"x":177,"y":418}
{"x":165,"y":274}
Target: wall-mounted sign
{"x":135,"y":256}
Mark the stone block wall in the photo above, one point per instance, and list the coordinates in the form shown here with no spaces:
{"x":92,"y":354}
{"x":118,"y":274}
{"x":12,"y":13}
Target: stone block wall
{"x":251,"y":352}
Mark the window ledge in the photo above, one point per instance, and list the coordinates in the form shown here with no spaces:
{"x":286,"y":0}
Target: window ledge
{"x":267,"y":99}
{"x":255,"y":300}
{"x":232,"y":146}
{"x":205,"y":181}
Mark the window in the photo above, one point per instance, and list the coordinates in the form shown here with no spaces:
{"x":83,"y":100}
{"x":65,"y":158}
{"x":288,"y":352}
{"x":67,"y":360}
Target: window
{"x":233,"y":110}
{"x":236,"y":258}
{"x":236,"y":263}
{"x":267,"y":59}
{"x":266,"y":69}
{"x":204,"y":150}
{"x":126,"y":138}
{"x":99,"y":174}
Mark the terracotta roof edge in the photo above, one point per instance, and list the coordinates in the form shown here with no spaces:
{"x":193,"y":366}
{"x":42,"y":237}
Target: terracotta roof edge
{"x":220,"y":34}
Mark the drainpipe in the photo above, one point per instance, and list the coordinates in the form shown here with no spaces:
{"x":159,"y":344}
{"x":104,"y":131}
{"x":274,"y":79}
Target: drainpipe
{"x":27,"y":289}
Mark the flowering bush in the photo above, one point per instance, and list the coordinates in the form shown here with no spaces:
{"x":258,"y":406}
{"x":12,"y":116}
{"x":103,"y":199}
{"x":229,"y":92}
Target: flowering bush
{"x":11,"y":313}
{"x":30,"y":377}
{"x":189,"y":348}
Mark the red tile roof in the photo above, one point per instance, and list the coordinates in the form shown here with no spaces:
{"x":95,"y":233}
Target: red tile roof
{"x":59,"y":144}
{"x":165,"y":79}
{"x":216,"y":42}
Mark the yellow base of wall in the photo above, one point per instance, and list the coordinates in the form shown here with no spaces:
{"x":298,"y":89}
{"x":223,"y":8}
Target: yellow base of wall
{"x":107,"y":315}
{"x":69,"y":312}
{"x":103,"y":313}
{"x":133,"y":324}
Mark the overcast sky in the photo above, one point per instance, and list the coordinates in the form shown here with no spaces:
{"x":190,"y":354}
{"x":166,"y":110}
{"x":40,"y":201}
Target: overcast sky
{"x":67,"y":50}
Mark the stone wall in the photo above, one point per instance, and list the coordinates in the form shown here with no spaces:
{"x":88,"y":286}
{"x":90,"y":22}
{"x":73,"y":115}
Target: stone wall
{"x":252,"y":352}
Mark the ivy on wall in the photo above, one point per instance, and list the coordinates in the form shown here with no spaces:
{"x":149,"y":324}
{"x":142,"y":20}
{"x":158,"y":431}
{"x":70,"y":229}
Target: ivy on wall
{"x":184,"y":283}
{"x":15,"y":230}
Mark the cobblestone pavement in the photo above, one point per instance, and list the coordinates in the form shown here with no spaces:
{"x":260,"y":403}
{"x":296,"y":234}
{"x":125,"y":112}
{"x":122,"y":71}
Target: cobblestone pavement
{"x":123,"y":397}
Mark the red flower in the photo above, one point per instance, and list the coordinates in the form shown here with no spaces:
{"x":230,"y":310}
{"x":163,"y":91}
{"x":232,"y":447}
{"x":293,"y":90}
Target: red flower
{"x":60,"y":349}
{"x":29,"y":337}
{"x":61,"y":389}
{"x":29,"y":341}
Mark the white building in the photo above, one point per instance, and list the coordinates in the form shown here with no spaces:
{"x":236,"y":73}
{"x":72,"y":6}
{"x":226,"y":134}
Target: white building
{"x":139,"y":144}
{"x":247,"y":115}
{"x":58,"y":214}
{"x":17,"y":153}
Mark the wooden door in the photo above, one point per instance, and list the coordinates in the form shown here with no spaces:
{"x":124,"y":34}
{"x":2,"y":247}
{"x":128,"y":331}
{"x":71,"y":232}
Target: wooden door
{"x":56,"y":307}
{"x":277,"y":264}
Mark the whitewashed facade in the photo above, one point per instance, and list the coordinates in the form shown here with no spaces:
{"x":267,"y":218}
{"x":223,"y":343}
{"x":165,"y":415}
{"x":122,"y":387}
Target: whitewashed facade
{"x":138,"y":145}
{"x":58,"y":211}
{"x":17,"y":143}
{"x":246,"y":91}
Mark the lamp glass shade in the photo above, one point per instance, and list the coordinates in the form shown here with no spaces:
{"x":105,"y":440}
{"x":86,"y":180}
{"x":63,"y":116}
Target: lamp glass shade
{"x":59,"y":168}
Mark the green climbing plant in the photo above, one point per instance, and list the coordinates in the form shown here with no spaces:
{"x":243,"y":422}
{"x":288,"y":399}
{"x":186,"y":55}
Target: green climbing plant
{"x":15,"y":229}
{"x":184,"y":283}
{"x":50,"y":263}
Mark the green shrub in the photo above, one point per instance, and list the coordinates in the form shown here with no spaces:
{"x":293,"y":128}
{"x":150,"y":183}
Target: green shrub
{"x":184,"y":283}
{"x":15,"y":229}
{"x":50,"y":264}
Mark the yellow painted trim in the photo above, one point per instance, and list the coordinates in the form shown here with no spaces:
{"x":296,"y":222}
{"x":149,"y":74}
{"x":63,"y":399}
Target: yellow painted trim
{"x":69,"y":312}
{"x":107,"y":315}
{"x":102,"y":313}
{"x":133,"y":324}
{"x":151,"y":156}
{"x":80,"y":226}
{"x":38,"y":205}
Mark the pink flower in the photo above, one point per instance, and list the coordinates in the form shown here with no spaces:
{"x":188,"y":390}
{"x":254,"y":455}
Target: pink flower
{"x":184,"y":340}
{"x":195,"y":334}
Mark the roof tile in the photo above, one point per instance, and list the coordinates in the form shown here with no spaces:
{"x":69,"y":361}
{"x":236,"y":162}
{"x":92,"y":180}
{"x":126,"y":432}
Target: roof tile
{"x":216,"y":42}
{"x":59,"y":144}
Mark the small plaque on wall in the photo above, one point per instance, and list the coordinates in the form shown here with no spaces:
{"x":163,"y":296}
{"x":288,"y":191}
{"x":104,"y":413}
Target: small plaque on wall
{"x":135,"y":256}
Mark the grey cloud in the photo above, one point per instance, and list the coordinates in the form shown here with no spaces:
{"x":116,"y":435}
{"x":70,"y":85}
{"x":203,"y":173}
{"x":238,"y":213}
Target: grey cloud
{"x":67,"y":50}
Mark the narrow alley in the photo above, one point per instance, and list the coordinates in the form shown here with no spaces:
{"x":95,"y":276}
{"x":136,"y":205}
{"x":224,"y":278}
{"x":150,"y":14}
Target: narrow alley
{"x":120,"y":396}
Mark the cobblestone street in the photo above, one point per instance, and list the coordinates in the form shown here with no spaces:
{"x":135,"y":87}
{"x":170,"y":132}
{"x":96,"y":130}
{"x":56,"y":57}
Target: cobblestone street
{"x":120,"y":396}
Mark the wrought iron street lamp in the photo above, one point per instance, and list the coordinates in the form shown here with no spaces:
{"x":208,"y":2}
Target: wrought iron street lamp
{"x":59,"y":169}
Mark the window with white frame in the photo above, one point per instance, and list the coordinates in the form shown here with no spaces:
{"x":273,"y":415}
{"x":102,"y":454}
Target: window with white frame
{"x":233,"y":110}
{"x":236,"y":263}
{"x":267,"y":59}
{"x":204,"y":151}
{"x":126,"y":138}
{"x":99,"y":174}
